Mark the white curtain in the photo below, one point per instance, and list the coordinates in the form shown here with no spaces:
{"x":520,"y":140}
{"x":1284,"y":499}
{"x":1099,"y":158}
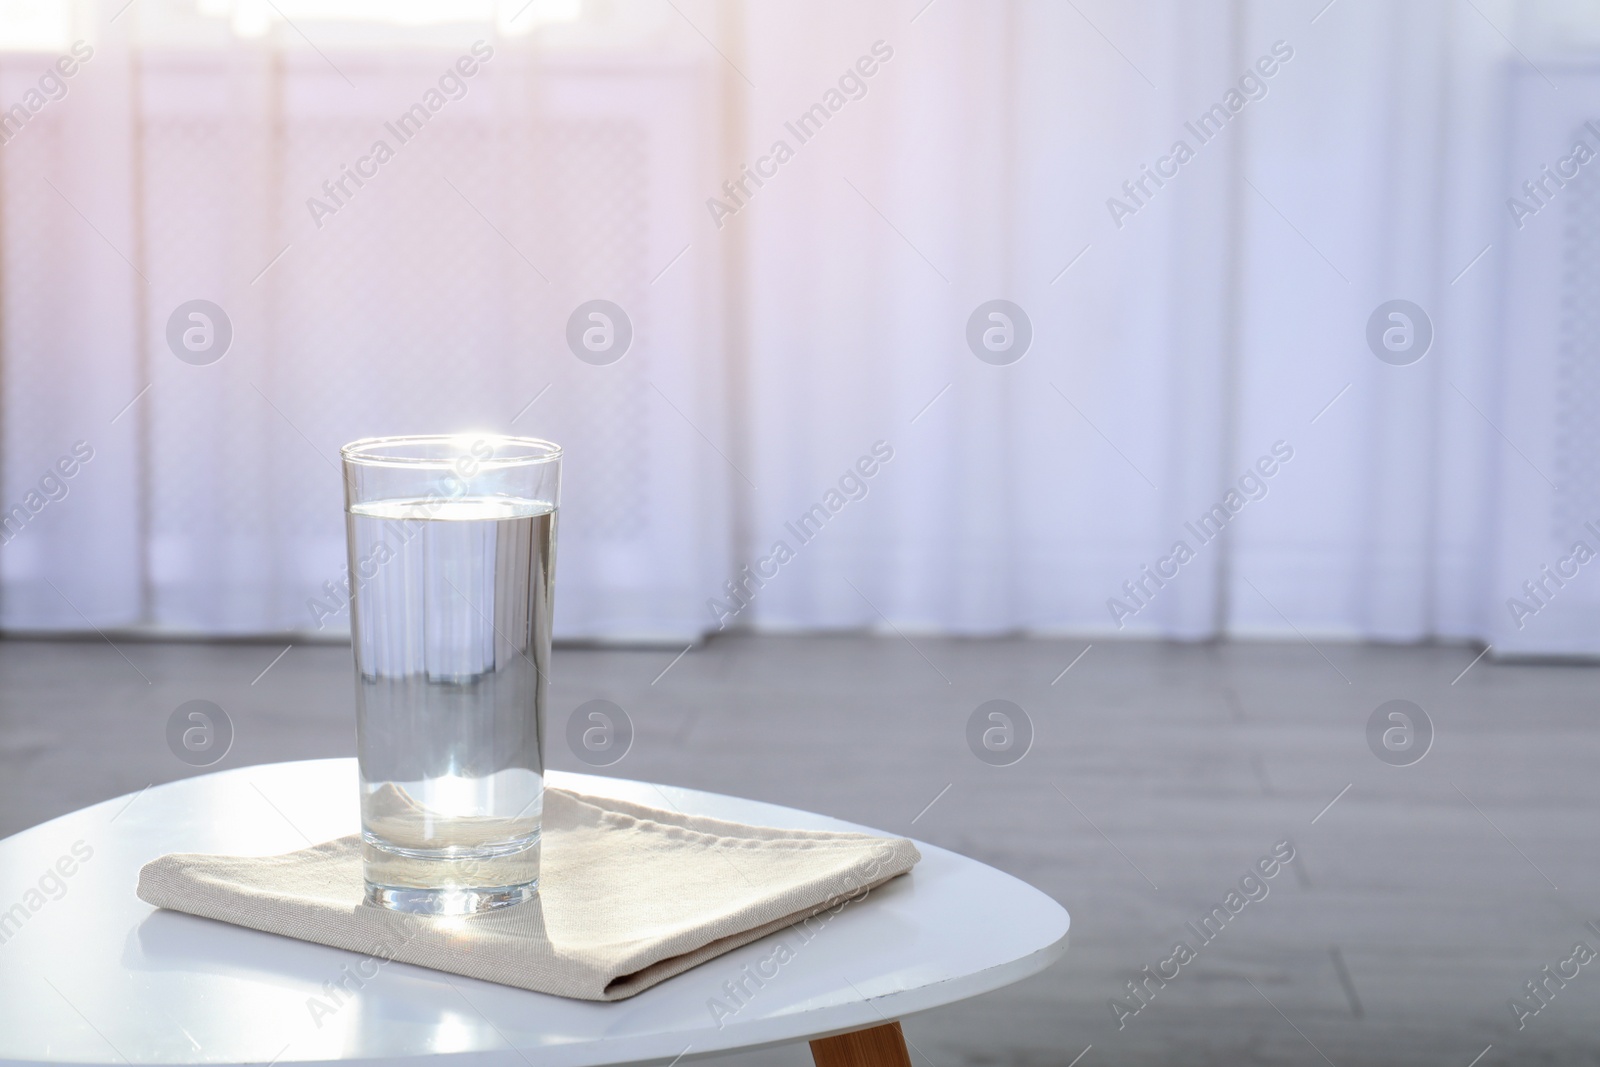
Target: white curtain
{"x":432,"y":297}
{"x":1175,"y":347}
{"x":802,"y":437}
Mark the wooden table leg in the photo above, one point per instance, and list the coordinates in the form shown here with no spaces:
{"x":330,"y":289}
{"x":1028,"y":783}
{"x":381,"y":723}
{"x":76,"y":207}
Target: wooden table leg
{"x":881,"y":1046}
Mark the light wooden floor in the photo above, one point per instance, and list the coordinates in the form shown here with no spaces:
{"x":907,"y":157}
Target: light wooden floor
{"x":1416,"y":906}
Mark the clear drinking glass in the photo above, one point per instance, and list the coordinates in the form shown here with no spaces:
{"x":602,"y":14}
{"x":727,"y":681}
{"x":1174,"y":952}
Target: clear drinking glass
{"x":451,"y":545}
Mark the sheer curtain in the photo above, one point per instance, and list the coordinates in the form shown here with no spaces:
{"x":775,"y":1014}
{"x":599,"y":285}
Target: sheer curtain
{"x":808,"y":432}
{"x":519,"y":177}
{"x":1184,"y":340}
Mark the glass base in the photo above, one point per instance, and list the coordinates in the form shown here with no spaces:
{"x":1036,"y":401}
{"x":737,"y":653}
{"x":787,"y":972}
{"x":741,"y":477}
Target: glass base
{"x":455,"y":901}
{"x":456,"y":880}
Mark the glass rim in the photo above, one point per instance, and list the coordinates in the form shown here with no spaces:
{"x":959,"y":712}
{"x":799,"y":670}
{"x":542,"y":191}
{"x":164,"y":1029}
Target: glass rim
{"x":385,"y":451}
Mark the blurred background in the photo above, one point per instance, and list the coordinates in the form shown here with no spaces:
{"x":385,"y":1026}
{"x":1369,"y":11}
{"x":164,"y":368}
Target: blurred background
{"x":1181,"y":327}
{"x":1243,"y":351}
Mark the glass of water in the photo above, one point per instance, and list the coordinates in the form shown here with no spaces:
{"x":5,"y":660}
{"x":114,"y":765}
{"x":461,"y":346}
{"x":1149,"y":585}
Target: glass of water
{"x":451,"y":546}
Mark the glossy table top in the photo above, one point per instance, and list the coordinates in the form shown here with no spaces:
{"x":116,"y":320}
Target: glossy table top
{"x":90,"y":974}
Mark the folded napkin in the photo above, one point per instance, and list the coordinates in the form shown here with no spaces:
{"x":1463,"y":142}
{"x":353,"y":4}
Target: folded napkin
{"x":629,"y":896}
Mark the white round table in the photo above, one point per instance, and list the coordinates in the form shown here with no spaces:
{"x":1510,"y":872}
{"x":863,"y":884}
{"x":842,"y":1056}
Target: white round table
{"x":90,"y":974}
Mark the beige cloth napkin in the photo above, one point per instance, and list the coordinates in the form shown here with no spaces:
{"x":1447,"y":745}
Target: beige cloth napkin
{"x":628,"y":897}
